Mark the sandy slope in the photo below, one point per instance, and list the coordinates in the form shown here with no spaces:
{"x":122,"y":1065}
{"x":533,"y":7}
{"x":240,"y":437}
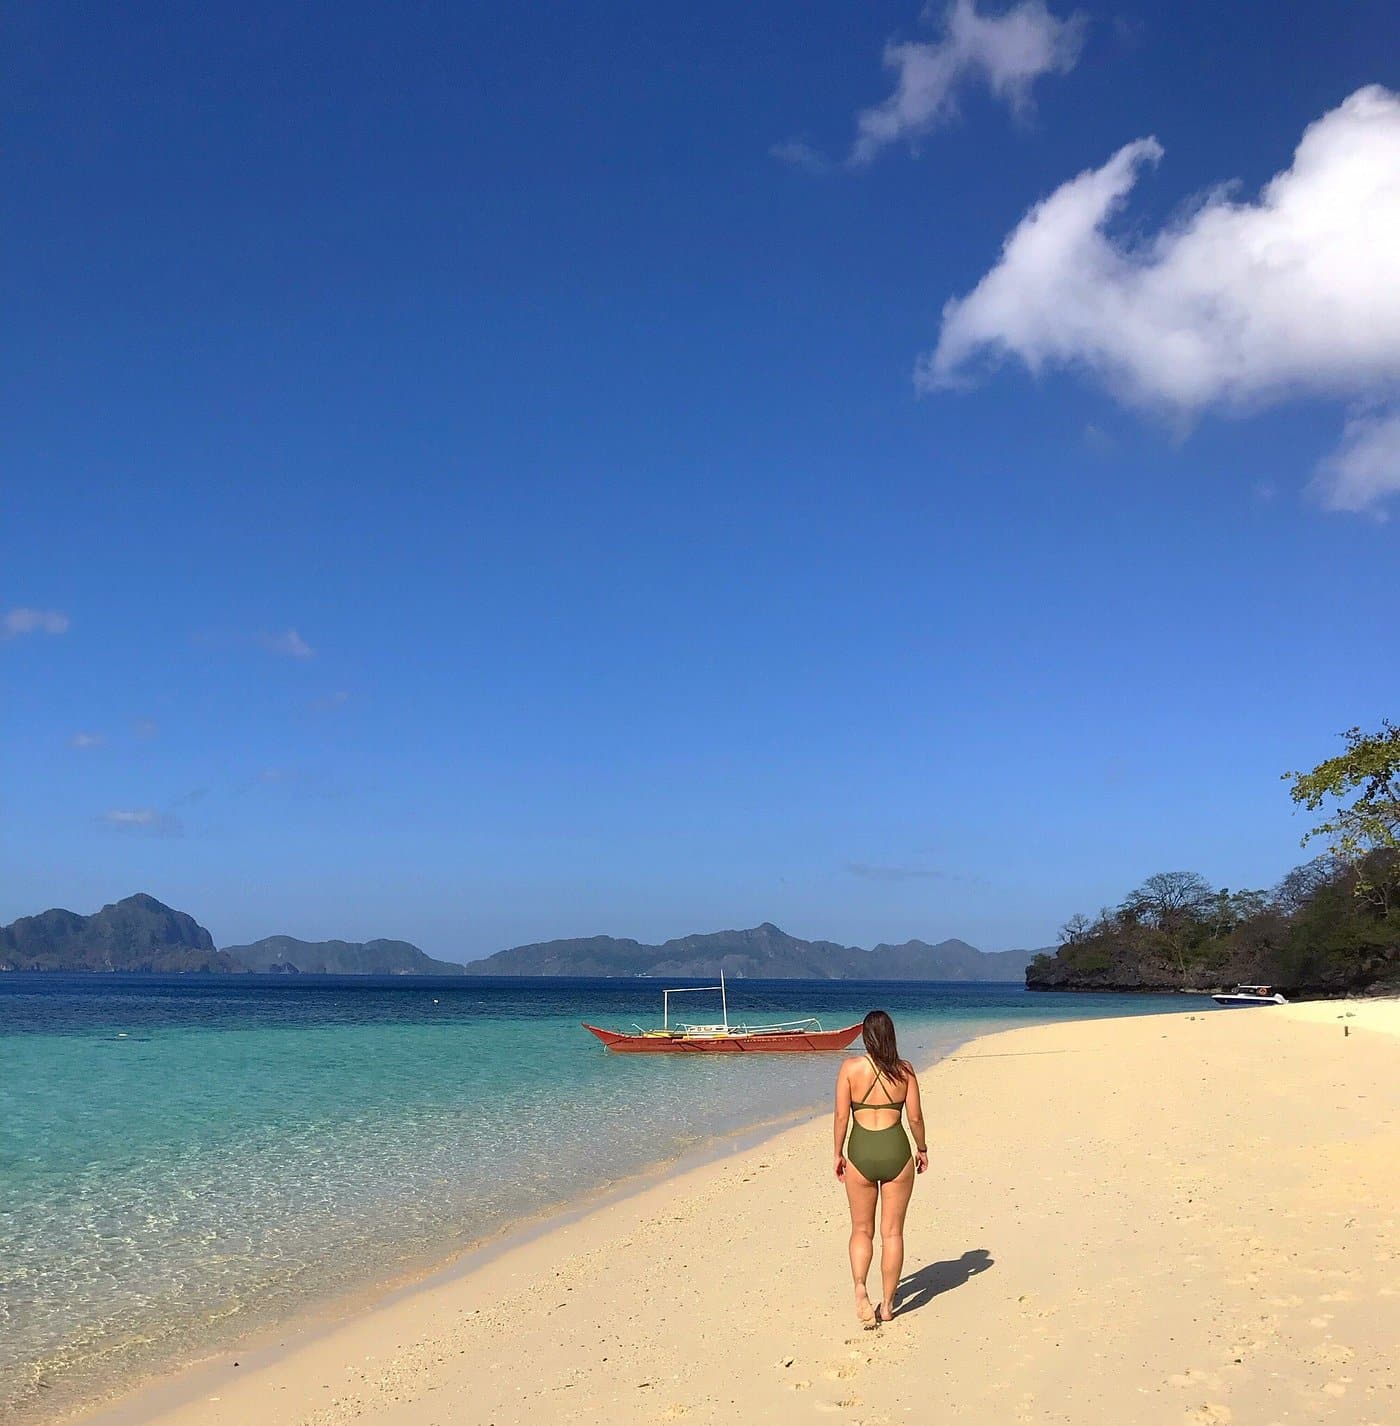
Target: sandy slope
{"x":1184,"y":1219}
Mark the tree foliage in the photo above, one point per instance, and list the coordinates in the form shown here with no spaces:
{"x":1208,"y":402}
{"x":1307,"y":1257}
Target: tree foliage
{"x":1331,"y":925}
{"x":1170,"y":898}
{"x":1360,"y":788}
{"x":1078,"y":928}
{"x":1176,"y":931}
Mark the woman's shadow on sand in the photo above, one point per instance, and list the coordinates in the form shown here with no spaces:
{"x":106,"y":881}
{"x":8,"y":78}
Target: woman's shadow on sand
{"x":920,"y":1288}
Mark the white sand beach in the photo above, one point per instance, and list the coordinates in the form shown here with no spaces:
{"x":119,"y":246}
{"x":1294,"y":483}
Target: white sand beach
{"x":1176,"y":1219}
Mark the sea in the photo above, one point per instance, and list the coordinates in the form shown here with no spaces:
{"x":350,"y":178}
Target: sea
{"x":187,"y":1159}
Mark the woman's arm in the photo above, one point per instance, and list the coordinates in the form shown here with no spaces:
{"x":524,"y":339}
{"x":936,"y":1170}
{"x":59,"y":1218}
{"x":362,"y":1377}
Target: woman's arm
{"x":915,"y":1109}
{"x":842,"y":1116}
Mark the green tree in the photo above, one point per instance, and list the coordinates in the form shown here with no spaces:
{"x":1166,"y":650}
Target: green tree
{"x":1232,"y":908}
{"x":1175,"y":904}
{"x":1365,"y":831}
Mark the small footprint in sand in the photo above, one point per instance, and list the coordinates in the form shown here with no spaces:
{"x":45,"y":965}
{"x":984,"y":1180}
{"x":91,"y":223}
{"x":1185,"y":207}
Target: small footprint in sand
{"x":1212,"y":1413}
{"x":1194,"y":1376}
{"x":841,"y":1373}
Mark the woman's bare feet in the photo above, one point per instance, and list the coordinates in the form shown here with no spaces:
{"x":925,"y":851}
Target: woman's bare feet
{"x":866,"y":1314}
{"x":884,"y":1312}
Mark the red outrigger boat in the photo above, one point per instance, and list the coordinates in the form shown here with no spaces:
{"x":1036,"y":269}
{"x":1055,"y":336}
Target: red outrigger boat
{"x":787,"y":1036}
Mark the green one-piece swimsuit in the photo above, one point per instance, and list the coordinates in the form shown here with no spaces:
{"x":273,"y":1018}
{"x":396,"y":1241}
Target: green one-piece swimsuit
{"x":880,"y":1154}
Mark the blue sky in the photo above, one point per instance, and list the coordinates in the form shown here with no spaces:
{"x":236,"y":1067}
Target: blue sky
{"x":477,"y":474}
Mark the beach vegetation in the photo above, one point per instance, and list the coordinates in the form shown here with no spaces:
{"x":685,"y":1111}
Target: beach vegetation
{"x":1359,"y":790}
{"x":1330,"y":926}
{"x":1315,"y":932}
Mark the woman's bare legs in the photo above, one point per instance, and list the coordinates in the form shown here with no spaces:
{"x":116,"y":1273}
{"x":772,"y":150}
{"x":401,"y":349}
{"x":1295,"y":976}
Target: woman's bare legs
{"x":862,"y":1196}
{"x":894,"y":1204}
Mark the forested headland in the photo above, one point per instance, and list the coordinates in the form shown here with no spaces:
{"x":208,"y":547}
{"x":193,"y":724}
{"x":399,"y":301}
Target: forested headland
{"x":1329,"y":927}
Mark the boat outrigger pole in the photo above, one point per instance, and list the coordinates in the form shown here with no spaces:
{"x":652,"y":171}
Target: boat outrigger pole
{"x":694,"y":990}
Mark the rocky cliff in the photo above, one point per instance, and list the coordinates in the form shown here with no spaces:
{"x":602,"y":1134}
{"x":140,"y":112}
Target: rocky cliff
{"x":135,"y":934}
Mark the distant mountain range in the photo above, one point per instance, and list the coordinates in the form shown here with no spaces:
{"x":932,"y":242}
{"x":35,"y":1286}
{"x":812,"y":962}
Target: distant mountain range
{"x":143,"y":934}
{"x":765,"y":951}
{"x":286,"y":953}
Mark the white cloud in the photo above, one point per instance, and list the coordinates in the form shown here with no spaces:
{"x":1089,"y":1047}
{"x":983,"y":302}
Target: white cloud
{"x":289,"y":643}
{"x":86,"y":740}
{"x":1366,"y":468}
{"x":144,"y":820}
{"x":1236,"y":305}
{"x":1008,"y":52}
{"x":35,"y":621}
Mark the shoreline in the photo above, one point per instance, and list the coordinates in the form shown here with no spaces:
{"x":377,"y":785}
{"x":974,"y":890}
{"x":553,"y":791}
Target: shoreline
{"x":264,"y":1346}
{"x":83,"y":1334}
{"x":160,"y":1390}
{"x":1225,"y":1265}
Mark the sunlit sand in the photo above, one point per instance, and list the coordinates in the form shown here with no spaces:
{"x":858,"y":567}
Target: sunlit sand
{"x":1163,"y":1220}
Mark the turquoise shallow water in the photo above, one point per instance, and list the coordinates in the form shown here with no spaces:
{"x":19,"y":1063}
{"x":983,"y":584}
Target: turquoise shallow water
{"x":186,"y":1158}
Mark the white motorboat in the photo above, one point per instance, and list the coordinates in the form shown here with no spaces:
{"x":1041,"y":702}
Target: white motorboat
{"x":1249,"y":995}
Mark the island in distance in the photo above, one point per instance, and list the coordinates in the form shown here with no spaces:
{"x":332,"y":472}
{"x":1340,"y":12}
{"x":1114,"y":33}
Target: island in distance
{"x":763,"y":952}
{"x":286,"y":954}
{"x":140,"y":933}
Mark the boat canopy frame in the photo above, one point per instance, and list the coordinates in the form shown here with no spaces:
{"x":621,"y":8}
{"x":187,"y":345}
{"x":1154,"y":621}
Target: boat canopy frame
{"x":681,"y":1027}
{"x":695,"y":990}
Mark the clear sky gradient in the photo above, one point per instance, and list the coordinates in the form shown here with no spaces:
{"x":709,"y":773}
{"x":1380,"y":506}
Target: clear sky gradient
{"x":464,"y":477}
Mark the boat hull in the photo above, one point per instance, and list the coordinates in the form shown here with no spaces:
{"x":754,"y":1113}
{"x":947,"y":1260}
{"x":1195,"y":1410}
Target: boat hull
{"x":1243,"y":1002}
{"x":786,"y":1042}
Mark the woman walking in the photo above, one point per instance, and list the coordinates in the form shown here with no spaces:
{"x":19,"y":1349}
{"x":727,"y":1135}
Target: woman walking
{"x":872,"y":1095}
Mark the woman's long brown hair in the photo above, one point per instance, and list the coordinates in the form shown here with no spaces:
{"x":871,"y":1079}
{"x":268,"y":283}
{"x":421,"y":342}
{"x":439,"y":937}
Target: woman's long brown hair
{"x":877,"y":1030}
